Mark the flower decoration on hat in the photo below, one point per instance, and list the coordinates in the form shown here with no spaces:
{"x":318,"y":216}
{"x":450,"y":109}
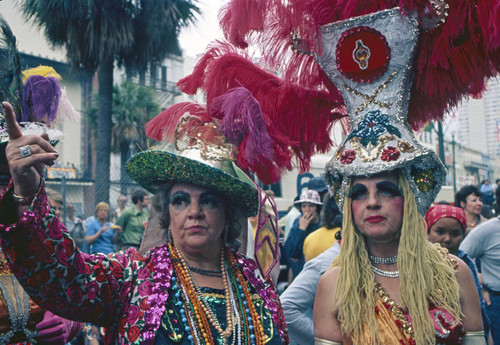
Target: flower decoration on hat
{"x":373,"y":125}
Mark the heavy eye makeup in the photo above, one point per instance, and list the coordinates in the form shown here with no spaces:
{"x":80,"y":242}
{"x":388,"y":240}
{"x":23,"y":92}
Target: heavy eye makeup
{"x":358,"y":191}
{"x":385,"y":188}
{"x":180,"y":200}
{"x":388,"y":188}
{"x":209,"y":200}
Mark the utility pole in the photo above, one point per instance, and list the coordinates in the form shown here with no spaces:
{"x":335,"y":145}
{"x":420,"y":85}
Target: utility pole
{"x":454,"y":166}
{"x":440,"y":141}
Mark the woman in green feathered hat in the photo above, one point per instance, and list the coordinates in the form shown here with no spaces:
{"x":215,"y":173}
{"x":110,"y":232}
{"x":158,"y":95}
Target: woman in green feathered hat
{"x":193,"y":288}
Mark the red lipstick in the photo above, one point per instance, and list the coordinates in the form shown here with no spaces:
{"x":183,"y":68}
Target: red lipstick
{"x":375,"y":219}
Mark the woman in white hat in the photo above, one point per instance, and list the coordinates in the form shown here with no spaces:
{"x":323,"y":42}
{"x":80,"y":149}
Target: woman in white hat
{"x":309,"y":221}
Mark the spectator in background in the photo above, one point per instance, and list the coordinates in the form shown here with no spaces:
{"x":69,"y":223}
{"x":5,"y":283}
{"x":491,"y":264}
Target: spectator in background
{"x":320,"y":240}
{"x":298,"y":298}
{"x":306,"y":223}
{"x":132,"y":220}
{"x":286,"y":221}
{"x":101,"y":233}
{"x":56,"y":201}
{"x":446,"y":225}
{"x":468,"y":198}
{"x":318,"y":184}
{"x":74,"y":225}
{"x":484,"y":243}
{"x":497,"y":197}
{"x":122,"y":202}
{"x":70,"y":216}
{"x":100,"y":237}
{"x":486,"y":192}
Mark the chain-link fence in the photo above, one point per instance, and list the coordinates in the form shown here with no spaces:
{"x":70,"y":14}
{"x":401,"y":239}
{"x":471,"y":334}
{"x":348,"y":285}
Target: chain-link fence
{"x":77,"y":194}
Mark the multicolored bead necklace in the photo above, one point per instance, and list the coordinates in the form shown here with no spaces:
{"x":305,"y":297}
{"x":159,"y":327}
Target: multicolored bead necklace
{"x":243,"y":321}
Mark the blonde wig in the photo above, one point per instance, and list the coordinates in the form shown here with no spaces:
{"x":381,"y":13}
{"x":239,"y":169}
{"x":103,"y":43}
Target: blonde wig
{"x":425,"y":276}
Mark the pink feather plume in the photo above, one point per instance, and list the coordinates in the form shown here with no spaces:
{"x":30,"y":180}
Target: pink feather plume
{"x":260,"y":150}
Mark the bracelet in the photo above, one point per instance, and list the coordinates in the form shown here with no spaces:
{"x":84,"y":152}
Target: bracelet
{"x":26,"y":200}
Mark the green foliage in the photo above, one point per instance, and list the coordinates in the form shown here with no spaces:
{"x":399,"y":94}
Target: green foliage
{"x":98,"y":33}
{"x":133,"y":107}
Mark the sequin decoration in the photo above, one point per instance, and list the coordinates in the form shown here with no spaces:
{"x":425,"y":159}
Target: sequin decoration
{"x":372,"y":127}
{"x":370,"y":153}
{"x":152,"y":168}
{"x":348,"y":157}
{"x":423,"y":179}
{"x":362,"y":54}
{"x":391,"y":153}
{"x":339,"y":152}
{"x":334,"y":180}
{"x":400,"y":319}
{"x":405,"y":146}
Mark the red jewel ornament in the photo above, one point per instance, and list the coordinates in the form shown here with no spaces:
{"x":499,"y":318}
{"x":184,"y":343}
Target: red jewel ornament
{"x":362,"y":54}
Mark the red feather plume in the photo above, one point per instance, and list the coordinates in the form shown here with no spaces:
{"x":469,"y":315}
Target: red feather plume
{"x":307,"y":124}
{"x":453,"y":61}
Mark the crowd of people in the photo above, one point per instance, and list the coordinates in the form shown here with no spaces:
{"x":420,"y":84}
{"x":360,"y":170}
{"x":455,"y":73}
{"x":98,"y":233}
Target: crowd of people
{"x":370,"y":256}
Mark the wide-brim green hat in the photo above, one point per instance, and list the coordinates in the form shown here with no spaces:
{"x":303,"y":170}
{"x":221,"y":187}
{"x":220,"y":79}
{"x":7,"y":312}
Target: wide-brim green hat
{"x":152,"y":168}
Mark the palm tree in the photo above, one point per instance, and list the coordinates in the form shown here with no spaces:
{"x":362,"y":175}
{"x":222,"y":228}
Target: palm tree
{"x":96,"y":33}
{"x":133,"y":106}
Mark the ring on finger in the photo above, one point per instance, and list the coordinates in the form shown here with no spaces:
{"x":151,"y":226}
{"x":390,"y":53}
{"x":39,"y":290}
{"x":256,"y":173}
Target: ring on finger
{"x":25,"y":151}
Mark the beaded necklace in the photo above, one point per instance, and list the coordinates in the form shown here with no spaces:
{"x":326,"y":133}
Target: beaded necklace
{"x":209,"y":273}
{"x":243,"y":321}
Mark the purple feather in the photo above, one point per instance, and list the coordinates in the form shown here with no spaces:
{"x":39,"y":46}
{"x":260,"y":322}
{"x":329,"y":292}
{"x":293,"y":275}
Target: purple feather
{"x":41,"y":99}
{"x":242,"y":116}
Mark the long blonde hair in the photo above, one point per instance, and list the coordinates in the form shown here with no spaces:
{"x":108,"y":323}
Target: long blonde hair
{"x":425,"y":276}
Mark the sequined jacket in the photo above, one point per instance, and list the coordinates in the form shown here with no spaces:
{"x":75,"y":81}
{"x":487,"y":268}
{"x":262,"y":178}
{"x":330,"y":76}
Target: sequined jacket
{"x":124,"y":292}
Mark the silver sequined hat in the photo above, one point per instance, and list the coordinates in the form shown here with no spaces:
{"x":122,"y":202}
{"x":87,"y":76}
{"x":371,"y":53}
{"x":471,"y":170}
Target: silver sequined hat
{"x":370,"y":58}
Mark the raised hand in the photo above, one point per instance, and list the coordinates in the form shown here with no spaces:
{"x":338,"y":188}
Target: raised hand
{"x":305,"y":220}
{"x":27,"y":155}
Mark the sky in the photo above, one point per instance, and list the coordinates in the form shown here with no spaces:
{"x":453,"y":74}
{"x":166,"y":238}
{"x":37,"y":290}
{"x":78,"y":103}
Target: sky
{"x":196,"y":37}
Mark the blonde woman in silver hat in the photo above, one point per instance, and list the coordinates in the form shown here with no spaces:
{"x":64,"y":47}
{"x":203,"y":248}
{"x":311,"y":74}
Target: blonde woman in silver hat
{"x":386,"y":262}
{"x":192,"y":289}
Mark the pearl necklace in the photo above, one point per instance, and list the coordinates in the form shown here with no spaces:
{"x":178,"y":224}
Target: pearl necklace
{"x":384,"y":260}
{"x":387,"y":274}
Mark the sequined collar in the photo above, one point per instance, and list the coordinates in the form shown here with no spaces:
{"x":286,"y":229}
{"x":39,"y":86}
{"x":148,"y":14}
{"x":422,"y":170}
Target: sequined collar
{"x":161,"y":261}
